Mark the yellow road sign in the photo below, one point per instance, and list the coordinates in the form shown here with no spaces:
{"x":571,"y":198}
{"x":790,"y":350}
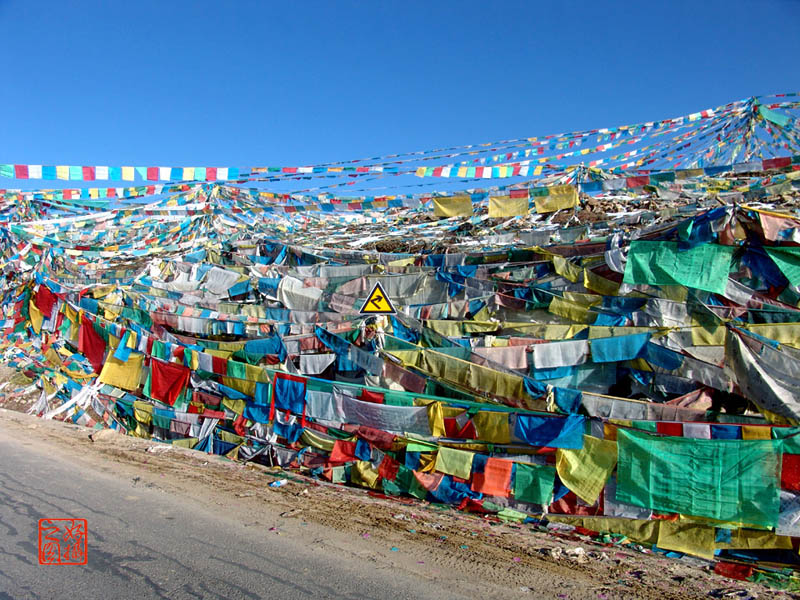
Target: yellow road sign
{"x":377,"y":303}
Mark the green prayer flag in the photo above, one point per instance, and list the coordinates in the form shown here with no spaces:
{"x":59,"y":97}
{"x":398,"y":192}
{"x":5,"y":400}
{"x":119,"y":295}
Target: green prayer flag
{"x":645,"y":425}
{"x":534,"y":483}
{"x":788,"y":261}
{"x":406,"y":481}
{"x":790,"y":438}
{"x":161,"y":421}
{"x":727,"y":480}
{"x":703,"y":267}
{"x":773,"y":117}
{"x":236,"y":369}
{"x":160,"y":350}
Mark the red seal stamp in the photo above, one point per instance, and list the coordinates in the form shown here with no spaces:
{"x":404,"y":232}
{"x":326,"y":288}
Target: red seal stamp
{"x":62,"y":541}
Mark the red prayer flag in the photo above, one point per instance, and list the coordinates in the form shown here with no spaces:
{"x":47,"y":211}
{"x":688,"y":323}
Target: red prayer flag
{"x":91,"y":344}
{"x":374,"y":397}
{"x":667,"y":428}
{"x":777,"y":163}
{"x":388,"y":468}
{"x":44,"y":300}
{"x":733,"y":570}
{"x":790,"y":472}
{"x":343,"y":452}
{"x":167,"y":380}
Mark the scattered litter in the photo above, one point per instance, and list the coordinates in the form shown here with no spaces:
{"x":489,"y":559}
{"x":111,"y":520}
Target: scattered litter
{"x":161,"y":449}
{"x":578,"y":554}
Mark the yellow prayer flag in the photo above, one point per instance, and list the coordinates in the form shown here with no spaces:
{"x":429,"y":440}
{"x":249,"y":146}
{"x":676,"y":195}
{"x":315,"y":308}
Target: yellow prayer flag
{"x":127,"y":173}
{"x":756,"y":432}
{"x":315,"y":440}
{"x":785,"y":333}
{"x":194,"y":359}
{"x":753,"y":539}
{"x":124,"y":375}
{"x":583,"y":299}
{"x":454,"y":462}
{"x":234,"y":405}
{"x":559,"y":197}
{"x":570,"y":310}
{"x":492,"y":427}
{"x":610,"y":428}
{"x":62,"y":172}
{"x":506,"y":206}
{"x":185,"y":442}
{"x":596,"y":283}
{"x":444,"y":327}
{"x":690,"y":538}
{"x":453,"y":206}
{"x":233,"y":454}
{"x":703,"y":337}
{"x":230,"y":438}
{"x":143,"y":412}
{"x":36,"y":317}
{"x":53,"y":358}
{"x":427,"y":460}
{"x":364,"y":474}
{"x":436,"y":419}
{"x":566,"y":268}
{"x":586,"y":471}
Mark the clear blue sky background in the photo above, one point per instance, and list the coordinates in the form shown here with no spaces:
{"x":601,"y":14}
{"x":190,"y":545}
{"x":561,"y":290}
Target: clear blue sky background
{"x":284,"y":83}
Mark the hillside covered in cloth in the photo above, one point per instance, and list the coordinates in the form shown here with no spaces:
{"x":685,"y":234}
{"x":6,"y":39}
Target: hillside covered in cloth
{"x":598,"y":329}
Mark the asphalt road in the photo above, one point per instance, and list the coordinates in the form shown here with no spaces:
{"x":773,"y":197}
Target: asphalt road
{"x":145,"y":543}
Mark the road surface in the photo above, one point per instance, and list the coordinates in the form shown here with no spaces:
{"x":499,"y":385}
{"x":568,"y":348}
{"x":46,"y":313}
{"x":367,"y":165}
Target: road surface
{"x":147,"y":543}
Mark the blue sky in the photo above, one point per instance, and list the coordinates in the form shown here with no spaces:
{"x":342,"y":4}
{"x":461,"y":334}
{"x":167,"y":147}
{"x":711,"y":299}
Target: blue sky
{"x":283,"y":83}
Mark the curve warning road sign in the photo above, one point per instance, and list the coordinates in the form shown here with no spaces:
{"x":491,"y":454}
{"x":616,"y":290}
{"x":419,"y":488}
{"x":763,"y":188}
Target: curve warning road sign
{"x":377,"y":303}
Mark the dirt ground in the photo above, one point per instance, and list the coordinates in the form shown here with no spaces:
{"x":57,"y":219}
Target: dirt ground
{"x":502,"y":560}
